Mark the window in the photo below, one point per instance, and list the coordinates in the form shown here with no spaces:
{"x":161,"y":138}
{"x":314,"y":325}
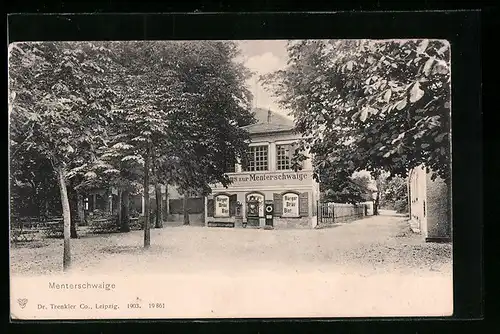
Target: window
{"x":257,"y":158}
{"x":284,"y":155}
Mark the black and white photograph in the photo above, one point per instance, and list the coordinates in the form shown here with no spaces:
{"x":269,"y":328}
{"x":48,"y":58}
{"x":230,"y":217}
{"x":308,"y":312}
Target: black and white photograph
{"x":200,"y":179}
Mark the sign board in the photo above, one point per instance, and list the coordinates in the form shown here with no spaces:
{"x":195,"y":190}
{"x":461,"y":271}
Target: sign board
{"x":221,"y":206}
{"x":251,"y":179}
{"x":269,"y":212}
{"x":290,"y":205}
{"x":220,"y":224}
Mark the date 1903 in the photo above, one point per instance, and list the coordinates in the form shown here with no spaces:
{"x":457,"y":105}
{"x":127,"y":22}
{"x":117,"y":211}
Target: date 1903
{"x":156,"y":305}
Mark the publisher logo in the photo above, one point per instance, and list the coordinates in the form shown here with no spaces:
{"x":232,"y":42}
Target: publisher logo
{"x":22,"y":302}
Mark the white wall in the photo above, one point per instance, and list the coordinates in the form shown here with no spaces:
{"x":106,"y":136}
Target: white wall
{"x":418,"y":194}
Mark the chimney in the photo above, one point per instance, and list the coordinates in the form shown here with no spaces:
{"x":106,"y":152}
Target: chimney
{"x":269,"y":116}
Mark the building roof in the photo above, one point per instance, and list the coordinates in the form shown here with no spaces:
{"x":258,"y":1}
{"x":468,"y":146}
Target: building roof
{"x":269,"y":121}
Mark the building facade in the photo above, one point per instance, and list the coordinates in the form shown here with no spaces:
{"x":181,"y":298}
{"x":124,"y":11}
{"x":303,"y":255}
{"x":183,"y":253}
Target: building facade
{"x":429,"y":204}
{"x":266,"y":177}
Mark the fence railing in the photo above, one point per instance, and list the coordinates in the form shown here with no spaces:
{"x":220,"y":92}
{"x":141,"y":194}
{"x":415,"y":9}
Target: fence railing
{"x":330,"y":213}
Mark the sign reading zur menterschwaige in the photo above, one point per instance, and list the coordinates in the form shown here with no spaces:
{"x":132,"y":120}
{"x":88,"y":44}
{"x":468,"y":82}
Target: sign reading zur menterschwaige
{"x":271,"y":178}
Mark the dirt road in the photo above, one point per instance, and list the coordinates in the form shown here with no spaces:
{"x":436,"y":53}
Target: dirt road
{"x":371,"y":267}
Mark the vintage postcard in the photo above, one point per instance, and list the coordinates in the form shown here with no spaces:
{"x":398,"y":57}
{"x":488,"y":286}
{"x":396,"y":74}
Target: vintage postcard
{"x":230,"y":179}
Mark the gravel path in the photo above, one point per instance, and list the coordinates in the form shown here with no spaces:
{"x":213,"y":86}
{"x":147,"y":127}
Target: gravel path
{"x":369,"y":246}
{"x":371,"y":267}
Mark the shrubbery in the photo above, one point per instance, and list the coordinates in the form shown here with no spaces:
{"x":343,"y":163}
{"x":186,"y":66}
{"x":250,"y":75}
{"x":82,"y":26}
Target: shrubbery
{"x":401,"y":206}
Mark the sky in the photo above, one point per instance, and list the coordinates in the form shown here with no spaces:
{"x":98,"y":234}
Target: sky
{"x":262,"y":57}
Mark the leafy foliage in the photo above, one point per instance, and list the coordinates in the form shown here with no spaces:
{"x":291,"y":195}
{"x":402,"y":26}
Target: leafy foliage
{"x":182,"y":103}
{"x":341,"y":188}
{"x":395,"y":194}
{"x":121,"y":113}
{"x":369,"y":105}
{"x":59,"y":99}
{"x":33,"y":186}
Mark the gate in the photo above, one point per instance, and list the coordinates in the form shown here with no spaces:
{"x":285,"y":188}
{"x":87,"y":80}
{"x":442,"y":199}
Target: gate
{"x":326,"y":213}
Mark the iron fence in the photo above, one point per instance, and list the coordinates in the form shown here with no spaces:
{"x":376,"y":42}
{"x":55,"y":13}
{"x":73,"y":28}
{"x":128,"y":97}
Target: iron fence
{"x":331,"y":213}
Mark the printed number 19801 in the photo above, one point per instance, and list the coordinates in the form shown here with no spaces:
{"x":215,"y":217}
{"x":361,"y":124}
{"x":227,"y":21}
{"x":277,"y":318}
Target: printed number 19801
{"x":156,"y":305}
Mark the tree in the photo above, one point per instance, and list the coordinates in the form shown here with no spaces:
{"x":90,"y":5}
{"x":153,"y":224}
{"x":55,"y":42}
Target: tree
{"x":219,"y":104}
{"x":159,"y":206}
{"x":369,"y":105}
{"x":112,"y":170}
{"x":342,"y":188}
{"x":151,"y":96}
{"x":59,"y":99}
{"x":182,"y":103}
{"x":33,"y":186}
{"x":381,"y":178}
{"x":106,"y":113}
{"x":395,"y":194}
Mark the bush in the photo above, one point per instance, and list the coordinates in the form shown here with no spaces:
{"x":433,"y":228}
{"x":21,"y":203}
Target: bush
{"x":401,"y":206}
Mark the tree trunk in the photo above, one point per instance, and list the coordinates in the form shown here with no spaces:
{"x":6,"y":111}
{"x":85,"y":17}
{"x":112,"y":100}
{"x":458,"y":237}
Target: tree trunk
{"x":185,"y":209}
{"x":125,"y":211}
{"x":119,"y":207}
{"x":74,"y":215}
{"x":73,"y":207}
{"x":375,"y":205}
{"x":67,"y":218}
{"x":36,"y":199}
{"x":159,"y":206}
{"x":147,"y":232}
{"x":80,"y":209}
{"x":167,"y":206}
{"x":46,"y":208}
{"x":105,"y":209}
{"x":73,"y":229}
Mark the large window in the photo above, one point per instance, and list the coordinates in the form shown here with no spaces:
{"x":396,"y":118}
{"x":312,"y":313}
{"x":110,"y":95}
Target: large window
{"x":257,"y":159}
{"x":284,"y":154}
